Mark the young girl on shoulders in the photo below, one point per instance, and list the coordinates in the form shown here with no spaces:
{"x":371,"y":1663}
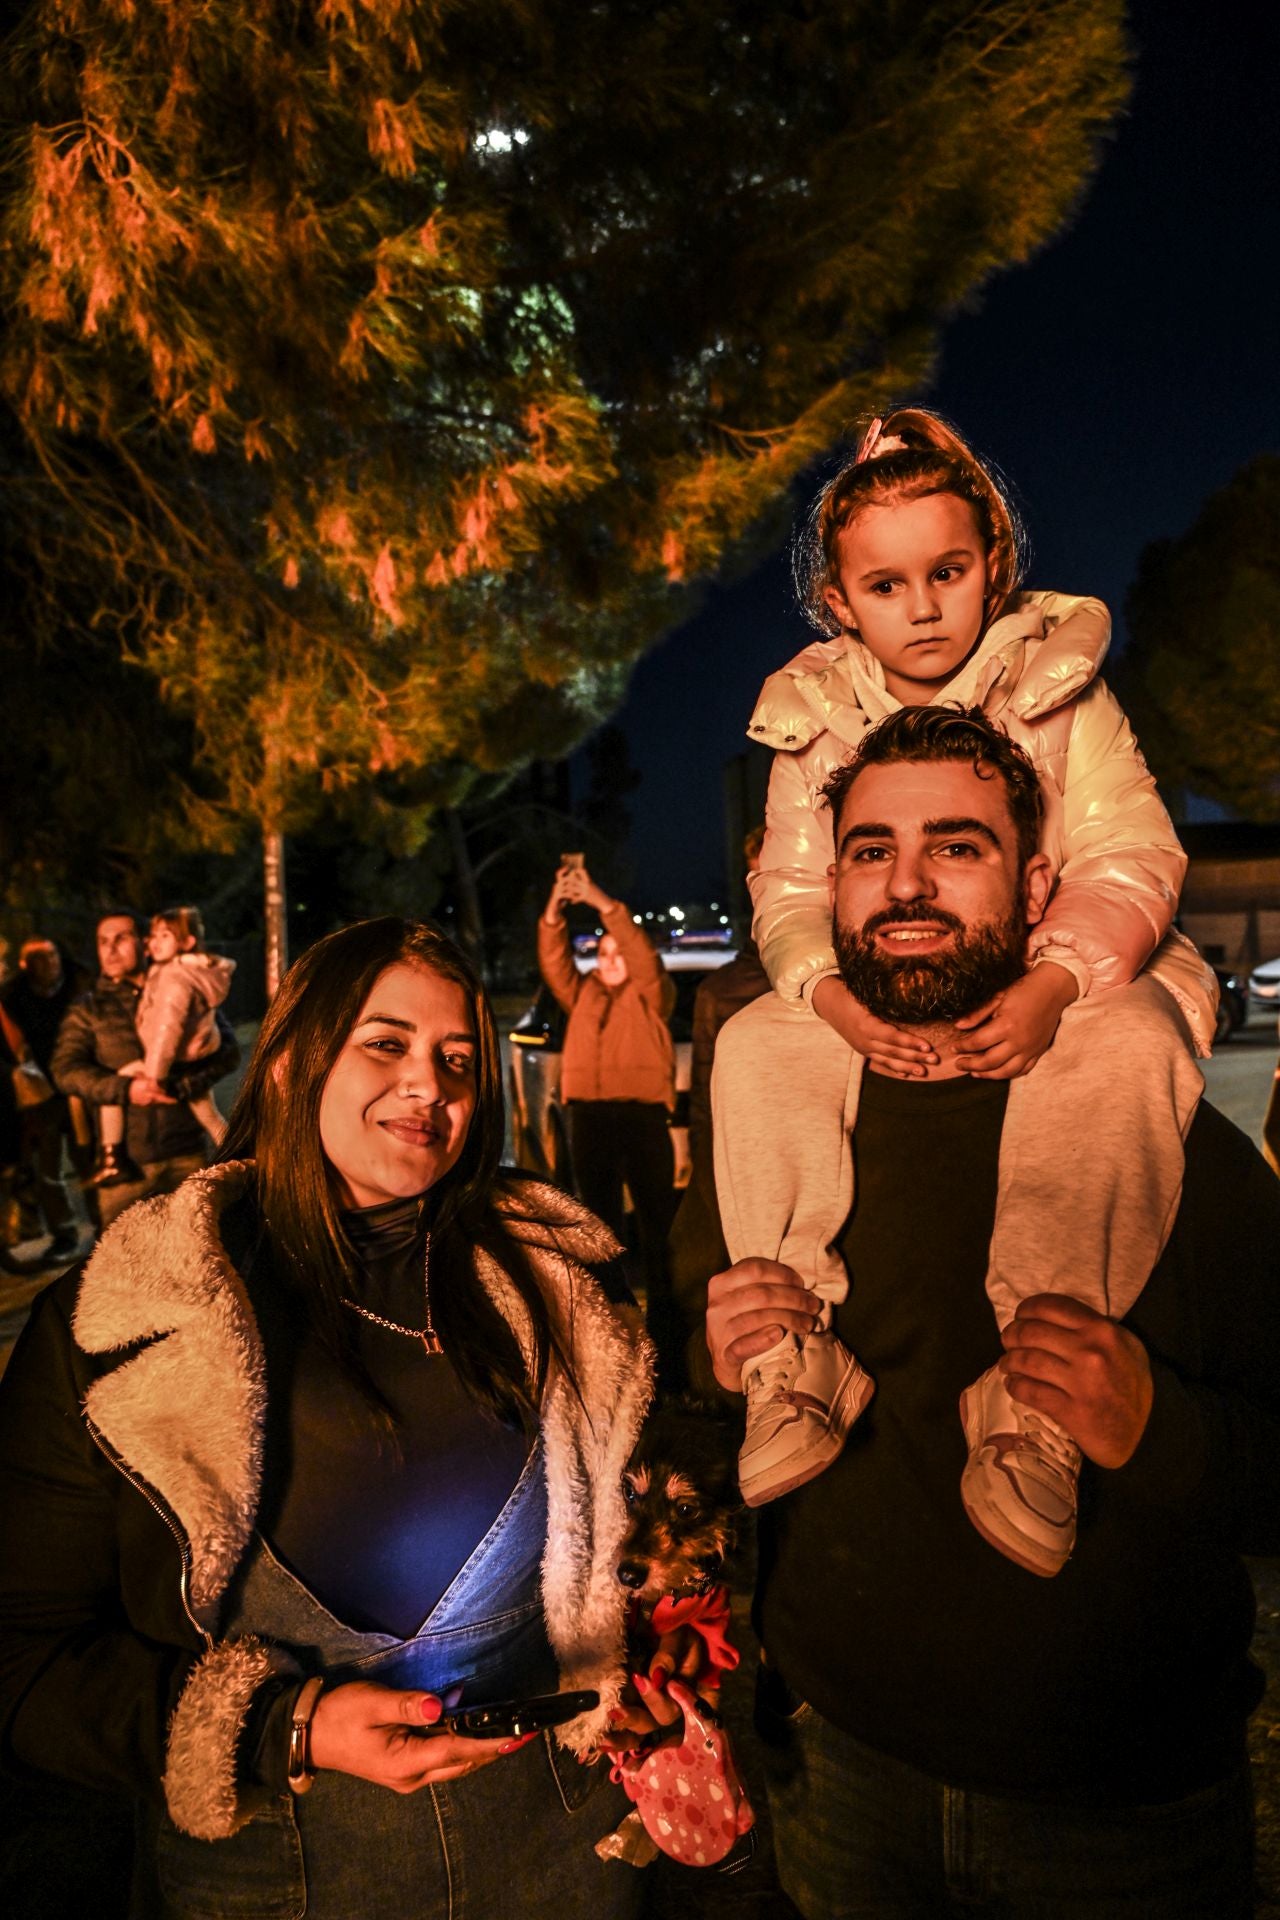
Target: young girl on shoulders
{"x":911,"y":566}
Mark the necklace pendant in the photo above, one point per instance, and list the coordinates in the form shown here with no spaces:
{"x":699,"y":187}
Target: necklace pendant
{"x":431,"y":1342}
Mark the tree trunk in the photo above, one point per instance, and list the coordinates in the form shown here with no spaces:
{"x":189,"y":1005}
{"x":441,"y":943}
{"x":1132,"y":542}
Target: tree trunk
{"x":470,"y":919}
{"x":275,"y":928}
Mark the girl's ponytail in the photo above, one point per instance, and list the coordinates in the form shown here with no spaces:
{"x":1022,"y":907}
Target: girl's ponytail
{"x":906,"y":455}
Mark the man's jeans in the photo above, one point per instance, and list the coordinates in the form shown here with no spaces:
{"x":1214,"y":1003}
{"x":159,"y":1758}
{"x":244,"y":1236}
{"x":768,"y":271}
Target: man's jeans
{"x":859,"y":1836}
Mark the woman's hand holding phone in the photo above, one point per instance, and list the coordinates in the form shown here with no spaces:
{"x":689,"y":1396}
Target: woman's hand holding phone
{"x":574,"y":883}
{"x":514,"y":1719}
{"x":568,"y":887}
{"x":385,"y":1735}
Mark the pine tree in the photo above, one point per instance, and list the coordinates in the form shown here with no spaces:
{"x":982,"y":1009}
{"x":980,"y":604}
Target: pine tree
{"x":1201,"y":674}
{"x":389,"y":371}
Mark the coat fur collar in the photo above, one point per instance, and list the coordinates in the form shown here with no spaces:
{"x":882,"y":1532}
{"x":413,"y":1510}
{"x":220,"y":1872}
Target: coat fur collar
{"x":185,"y":1413}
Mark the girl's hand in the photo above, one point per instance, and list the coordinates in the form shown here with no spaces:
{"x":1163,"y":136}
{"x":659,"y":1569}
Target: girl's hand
{"x":132,"y":1069}
{"x":888,"y":1048}
{"x":384,"y":1735}
{"x":1008,"y":1035}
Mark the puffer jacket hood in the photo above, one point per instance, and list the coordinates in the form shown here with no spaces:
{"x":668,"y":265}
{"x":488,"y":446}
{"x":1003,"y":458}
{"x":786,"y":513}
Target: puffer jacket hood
{"x":1027,"y":665}
{"x":209,"y":974}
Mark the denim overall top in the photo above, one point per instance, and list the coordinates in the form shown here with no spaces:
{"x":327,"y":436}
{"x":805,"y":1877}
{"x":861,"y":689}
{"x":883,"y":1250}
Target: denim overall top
{"x":485,"y":1633}
{"x":509,"y":1840}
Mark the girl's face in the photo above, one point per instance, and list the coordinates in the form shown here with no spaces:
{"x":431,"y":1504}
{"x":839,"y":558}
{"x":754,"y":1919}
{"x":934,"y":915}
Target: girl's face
{"x":913,"y":582}
{"x":399,"y":1098}
{"x":163,"y":942}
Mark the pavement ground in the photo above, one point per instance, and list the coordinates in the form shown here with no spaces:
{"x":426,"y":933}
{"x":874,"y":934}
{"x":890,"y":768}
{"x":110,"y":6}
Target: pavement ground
{"x":1238,"y":1081}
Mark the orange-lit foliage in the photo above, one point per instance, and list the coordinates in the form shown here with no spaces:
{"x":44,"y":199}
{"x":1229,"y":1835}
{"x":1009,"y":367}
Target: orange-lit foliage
{"x":385,"y":367}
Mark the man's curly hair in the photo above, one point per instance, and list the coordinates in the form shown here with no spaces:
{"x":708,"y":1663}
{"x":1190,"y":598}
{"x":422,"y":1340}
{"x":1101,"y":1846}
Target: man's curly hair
{"x":949,"y":733}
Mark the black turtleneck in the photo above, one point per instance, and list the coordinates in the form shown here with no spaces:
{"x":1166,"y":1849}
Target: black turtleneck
{"x":375,"y":1526}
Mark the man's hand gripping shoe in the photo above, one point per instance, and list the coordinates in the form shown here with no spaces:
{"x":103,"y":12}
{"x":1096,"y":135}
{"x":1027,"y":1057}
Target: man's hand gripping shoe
{"x":802,"y":1398}
{"x":1019,"y":1483}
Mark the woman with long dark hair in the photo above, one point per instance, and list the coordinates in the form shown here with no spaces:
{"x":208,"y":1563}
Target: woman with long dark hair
{"x":325,"y":1439}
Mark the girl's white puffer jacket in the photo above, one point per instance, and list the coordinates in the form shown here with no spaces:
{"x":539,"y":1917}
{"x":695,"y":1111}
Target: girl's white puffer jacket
{"x":1106,"y":830}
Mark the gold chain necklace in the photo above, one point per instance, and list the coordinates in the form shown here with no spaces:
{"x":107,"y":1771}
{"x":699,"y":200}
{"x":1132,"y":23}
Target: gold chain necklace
{"x":428,"y":1335}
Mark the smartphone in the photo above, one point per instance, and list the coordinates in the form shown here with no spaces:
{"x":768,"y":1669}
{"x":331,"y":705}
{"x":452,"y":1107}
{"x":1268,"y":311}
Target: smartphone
{"x":508,"y":1719}
{"x":575,"y":860}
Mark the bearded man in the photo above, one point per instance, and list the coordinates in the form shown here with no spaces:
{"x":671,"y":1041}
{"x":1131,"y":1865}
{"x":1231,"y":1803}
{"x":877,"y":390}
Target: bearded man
{"x":946,"y":1734}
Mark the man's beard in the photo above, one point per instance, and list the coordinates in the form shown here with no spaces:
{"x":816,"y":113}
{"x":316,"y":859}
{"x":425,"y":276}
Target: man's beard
{"x":919,"y":989}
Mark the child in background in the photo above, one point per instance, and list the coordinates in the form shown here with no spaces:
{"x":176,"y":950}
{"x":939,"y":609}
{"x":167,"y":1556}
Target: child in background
{"x":176,"y":1023}
{"x":911,"y":563}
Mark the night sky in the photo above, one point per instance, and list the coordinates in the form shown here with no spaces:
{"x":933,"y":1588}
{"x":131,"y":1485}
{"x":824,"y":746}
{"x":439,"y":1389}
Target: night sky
{"x":1119,"y":379}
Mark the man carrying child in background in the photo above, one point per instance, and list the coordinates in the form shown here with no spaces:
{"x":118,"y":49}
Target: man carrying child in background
{"x":99,"y":1038}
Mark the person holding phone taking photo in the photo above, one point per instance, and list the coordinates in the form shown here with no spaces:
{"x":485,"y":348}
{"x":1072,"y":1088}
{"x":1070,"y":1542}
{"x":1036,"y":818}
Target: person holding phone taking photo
{"x":617,"y":1078}
{"x":318,"y":1451}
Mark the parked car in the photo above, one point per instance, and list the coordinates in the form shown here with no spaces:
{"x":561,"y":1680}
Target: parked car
{"x":1264,"y":983}
{"x":1233,"y":1004}
{"x":539,"y":1125}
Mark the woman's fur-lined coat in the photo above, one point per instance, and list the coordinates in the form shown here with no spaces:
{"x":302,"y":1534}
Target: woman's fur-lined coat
{"x":108,"y":1700}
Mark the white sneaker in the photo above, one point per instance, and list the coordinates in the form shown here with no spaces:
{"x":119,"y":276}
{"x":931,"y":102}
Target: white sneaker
{"x":802,"y":1398}
{"x":1019,"y":1484}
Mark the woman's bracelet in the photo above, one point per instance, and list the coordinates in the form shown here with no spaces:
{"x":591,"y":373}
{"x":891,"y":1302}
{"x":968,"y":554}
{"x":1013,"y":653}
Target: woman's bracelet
{"x":301,"y":1775}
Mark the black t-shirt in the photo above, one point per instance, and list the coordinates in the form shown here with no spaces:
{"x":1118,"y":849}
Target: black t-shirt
{"x":1121,"y":1678}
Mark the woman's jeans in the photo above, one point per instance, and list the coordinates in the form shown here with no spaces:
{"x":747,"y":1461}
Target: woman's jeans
{"x":513,"y":1841}
{"x":860,"y":1836}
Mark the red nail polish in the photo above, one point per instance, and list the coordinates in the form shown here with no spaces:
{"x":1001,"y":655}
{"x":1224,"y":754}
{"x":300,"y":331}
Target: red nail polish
{"x":431,"y":1709}
{"x":512,"y":1746}
{"x":642,"y":1685}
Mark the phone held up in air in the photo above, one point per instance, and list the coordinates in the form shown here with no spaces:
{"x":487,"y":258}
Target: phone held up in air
{"x":509,"y":1719}
{"x":575,"y":861}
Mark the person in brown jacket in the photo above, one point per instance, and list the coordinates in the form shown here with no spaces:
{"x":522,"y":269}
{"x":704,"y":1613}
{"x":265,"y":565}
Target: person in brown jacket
{"x":617,"y":1076}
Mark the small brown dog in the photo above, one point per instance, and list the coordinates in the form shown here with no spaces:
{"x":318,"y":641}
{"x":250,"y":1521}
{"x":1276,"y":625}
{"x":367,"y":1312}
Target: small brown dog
{"x":682,"y":1495}
{"x":683,"y":1499}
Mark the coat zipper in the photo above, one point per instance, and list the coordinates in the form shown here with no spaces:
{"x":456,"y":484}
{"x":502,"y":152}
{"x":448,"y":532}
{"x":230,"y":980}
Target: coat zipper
{"x":165,"y":1513}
